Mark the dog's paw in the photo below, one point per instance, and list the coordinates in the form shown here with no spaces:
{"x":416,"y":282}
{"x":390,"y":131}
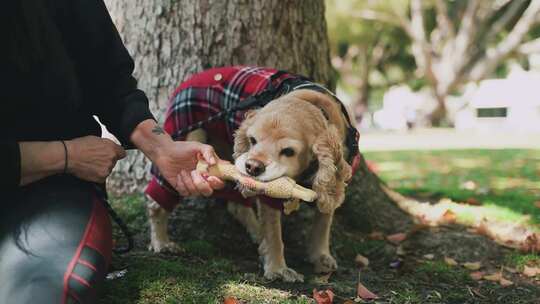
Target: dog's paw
{"x":165,"y":247}
{"x":324,"y":263}
{"x":286,"y":274}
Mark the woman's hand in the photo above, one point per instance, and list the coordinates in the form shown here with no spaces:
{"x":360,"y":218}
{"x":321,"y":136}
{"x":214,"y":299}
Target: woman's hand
{"x":92,"y":158}
{"x":177,"y":162}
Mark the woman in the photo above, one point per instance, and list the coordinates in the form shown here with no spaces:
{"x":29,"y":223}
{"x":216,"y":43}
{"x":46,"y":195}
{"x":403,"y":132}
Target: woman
{"x":62,"y":61}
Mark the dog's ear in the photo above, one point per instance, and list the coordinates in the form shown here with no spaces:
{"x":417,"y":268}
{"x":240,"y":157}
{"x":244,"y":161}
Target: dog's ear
{"x":330,"y":179}
{"x":241,"y":141}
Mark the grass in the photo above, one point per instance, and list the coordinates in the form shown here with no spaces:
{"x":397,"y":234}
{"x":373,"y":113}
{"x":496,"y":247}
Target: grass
{"x":222,"y":262}
{"x":506,"y":182}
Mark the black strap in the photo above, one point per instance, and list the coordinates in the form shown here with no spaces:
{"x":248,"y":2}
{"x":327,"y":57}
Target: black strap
{"x":102,"y":194}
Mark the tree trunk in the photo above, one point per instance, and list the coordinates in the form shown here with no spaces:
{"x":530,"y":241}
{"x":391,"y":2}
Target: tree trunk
{"x":438,"y":116}
{"x":171,"y":40}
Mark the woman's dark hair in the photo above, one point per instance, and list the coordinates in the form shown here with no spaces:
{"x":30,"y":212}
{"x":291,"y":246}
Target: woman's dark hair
{"x":24,"y":29}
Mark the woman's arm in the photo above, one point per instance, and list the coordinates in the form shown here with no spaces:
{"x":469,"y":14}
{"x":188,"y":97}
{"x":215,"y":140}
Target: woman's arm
{"x":105,"y":68}
{"x":89,"y":158}
{"x":39,"y":160}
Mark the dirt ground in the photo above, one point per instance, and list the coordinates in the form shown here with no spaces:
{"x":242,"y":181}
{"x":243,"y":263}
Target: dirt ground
{"x":408,"y":278}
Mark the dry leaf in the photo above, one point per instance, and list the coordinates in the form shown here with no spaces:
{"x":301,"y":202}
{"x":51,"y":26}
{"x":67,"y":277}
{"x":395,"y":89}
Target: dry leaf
{"x":477,"y":275}
{"x":361,"y":260}
{"x":449,"y":217}
{"x":364,"y":293}
{"x":450,"y":261}
{"x":396,"y":238}
{"x":429,"y":256}
{"x":504,"y":282}
{"x":495,"y":277}
{"x":230,"y":300}
{"x":531,"y":271}
{"x":323,"y":296}
{"x":376,"y":235}
{"x":510,"y":269}
{"x":348,"y":302}
{"x":537,"y":204}
{"x":472,"y":201}
{"x":472,"y":266}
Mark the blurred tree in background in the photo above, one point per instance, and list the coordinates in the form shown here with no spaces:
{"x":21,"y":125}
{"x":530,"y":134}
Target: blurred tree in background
{"x":452,"y":42}
{"x":370,"y":55}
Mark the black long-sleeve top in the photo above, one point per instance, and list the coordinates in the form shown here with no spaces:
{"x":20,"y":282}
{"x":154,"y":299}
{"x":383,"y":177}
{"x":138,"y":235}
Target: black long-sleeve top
{"x":87,"y":72}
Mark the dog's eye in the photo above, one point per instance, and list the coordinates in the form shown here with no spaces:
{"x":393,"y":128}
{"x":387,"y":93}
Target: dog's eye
{"x":252,"y":141}
{"x":287,"y":152}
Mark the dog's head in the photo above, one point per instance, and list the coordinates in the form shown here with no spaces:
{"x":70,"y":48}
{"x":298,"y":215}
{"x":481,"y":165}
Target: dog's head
{"x":289,"y":134}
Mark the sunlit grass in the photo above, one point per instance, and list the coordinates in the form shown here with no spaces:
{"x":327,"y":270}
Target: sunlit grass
{"x":505,"y":182}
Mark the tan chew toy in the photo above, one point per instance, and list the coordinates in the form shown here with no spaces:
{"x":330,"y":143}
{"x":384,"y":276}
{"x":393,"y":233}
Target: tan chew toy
{"x":283,"y":187}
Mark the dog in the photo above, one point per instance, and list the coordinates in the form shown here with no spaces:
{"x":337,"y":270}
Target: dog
{"x":282,"y":125}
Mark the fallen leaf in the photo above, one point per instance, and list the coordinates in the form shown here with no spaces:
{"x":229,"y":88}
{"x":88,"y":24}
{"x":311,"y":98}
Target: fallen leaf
{"x":477,"y":292}
{"x":400,"y":251}
{"x":230,"y":300}
{"x":537,"y":204}
{"x":376,"y":235}
{"x":504,"y":282}
{"x":396,"y":238}
{"x":531,"y":271}
{"x":364,"y":293}
{"x":477,"y":275}
{"x":472,"y":266}
{"x":323,"y":296}
{"x":361,"y":261}
{"x":429,"y":256}
{"x":511,"y":269}
{"x":473,"y":201}
{"x":348,"y":302}
{"x":450,"y":261}
{"x":449,"y":217}
{"x":495,"y":277}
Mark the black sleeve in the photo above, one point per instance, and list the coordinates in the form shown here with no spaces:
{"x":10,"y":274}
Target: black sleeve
{"x":10,"y":162}
{"x":105,"y":69}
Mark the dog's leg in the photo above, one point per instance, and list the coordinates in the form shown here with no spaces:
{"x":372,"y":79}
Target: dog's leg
{"x":271,"y":247}
{"x":159,"y":238}
{"x":319,"y":244}
{"x":246,"y":216}
{"x":159,"y":217}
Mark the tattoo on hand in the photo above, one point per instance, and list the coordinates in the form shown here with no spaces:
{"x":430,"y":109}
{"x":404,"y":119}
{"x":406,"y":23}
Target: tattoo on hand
{"x":158,"y":130}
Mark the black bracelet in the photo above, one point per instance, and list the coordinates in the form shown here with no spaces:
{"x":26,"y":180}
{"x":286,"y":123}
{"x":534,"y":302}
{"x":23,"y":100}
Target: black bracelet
{"x":65,"y":156}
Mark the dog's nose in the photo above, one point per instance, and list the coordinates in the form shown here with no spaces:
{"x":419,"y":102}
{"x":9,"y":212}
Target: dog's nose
{"x":254,"y":167}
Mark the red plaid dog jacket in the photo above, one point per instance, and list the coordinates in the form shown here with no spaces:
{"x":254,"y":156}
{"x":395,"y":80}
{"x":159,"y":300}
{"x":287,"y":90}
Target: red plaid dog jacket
{"x":202,"y":96}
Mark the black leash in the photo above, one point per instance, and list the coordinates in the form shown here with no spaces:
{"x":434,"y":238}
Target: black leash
{"x":102,"y":194}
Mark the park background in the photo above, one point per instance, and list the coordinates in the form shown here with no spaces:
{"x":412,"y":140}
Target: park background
{"x":446,"y":206}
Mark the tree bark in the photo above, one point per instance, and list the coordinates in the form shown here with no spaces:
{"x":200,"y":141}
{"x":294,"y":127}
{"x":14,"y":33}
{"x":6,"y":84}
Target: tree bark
{"x":171,"y":40}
